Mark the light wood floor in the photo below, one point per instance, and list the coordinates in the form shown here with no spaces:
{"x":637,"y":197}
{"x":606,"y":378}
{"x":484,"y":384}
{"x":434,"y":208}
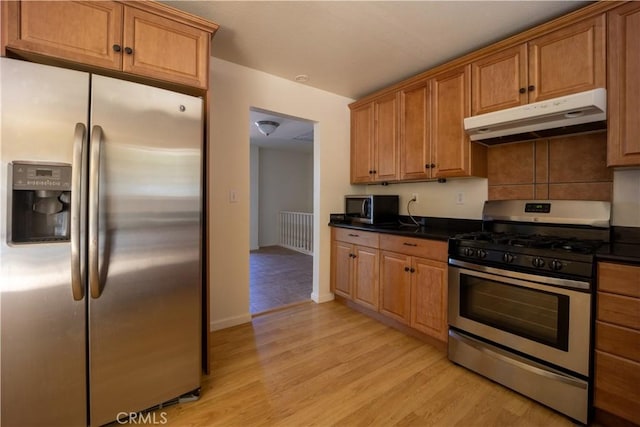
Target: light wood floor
{"x":325,"y":364}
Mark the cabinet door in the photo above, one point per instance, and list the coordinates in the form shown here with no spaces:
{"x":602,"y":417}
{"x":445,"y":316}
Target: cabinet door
{"x":385,"y":163}
{"x":415,"y":142}
{"x":450,"y":95}
{"x":499,"y":80}
{"x":83,"y":32}
{"x":165,"y":49}
{"x":395,"y":286}
{"x":624,"y":86}
{"x":365,"y":277}
{"x":568,"y":60}
{"x":341,"y":256}
{"x":362,"y":144}
{"x":429,"y":298}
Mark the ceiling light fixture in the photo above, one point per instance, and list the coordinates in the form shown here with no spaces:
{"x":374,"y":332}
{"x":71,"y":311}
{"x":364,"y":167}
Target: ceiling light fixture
{"x":267,"y":127}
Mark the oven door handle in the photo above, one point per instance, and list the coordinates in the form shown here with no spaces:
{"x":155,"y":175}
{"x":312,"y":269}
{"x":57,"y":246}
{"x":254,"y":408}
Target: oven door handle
{"x":526,"y":366}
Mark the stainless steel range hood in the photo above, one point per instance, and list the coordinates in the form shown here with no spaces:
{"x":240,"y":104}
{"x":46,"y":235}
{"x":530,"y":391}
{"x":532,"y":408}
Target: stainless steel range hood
{"x":578,"y":113}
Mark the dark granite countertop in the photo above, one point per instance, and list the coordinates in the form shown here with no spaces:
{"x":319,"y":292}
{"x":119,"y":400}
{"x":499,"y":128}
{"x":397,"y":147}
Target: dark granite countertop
{"x":435,"y":228}
{"x":624,"y":247}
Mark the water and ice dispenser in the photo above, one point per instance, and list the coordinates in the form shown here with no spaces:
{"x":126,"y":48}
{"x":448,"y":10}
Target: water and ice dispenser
{"x":41,"y":196}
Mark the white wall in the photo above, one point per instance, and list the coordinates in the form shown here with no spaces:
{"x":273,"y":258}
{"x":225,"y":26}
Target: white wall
{"x":439,"y":199}
{"x":234,"y":90}
{"x":626,"y":197}
{"x":286,"y":184}
{"x":254,"y":198}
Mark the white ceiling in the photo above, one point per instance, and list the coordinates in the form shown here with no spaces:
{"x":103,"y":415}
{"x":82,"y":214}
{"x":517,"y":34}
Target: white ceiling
{"x":353,"y":48}
{"x":292,"y":134}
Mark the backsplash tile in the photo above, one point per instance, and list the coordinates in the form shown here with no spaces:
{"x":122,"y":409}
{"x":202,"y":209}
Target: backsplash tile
{"x":567,"y":168}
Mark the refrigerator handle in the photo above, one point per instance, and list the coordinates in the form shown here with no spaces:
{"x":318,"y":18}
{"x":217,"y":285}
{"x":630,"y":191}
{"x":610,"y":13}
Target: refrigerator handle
{"x":94,"y":178}
{"x":77,"y":287}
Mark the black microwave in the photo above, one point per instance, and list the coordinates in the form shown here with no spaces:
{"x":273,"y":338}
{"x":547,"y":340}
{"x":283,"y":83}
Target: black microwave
{"x":371,"y":209}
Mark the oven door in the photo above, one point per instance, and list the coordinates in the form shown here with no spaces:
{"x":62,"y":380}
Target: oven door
{"x":520,"y":312}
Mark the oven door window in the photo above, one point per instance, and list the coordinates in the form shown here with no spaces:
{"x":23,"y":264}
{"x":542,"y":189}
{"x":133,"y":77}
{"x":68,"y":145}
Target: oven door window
{"x":530,"y":313}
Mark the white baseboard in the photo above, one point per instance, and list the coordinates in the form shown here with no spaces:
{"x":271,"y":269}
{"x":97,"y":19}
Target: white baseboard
{"x":320,"y":298}
{"x":216,"y":325}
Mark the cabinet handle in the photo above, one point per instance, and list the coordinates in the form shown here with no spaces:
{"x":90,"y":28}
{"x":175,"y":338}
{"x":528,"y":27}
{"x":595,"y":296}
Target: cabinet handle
{"x":407,"y":269}
{"x":370,"y":172}
{"x":116,"y":48}
{"x":375,"y":171}
{"x":354,"y":235}
{"x":413,"y":270}
{"x":128,"y":50}
{"x":432,"y":165}
{"x":409,"y":244}
{"x":522,"y":90}
{"x":532,"y":88}
{"x":427,"y":166}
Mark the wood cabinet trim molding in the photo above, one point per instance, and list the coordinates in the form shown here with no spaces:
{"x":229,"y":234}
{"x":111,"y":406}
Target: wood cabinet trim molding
{"x":176,"y":14}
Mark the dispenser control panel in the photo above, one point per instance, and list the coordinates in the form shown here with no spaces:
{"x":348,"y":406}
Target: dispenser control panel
{"x":41,"y":176}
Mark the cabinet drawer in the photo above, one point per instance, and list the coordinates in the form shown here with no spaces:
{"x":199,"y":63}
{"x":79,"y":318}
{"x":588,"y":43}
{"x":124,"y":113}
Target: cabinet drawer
{"x":616,"y":386}
{"x":617,"y":340}
{"x":358,"y":237}
{"x":619,"y":310}
{"x":619,"y":279}
{"x":423,"y":248}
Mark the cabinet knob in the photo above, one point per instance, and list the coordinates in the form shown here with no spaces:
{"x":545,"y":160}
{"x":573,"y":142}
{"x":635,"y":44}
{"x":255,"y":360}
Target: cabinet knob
{"x":522,"y":90}
{"x":427,"y":166}
{"x":370,"y":172}
{"x":116,"y":48}
{"x":433,"y":165}
{"x":375,"y":171}
{"x":407,"y":269}
{"x":532,"y":88}
{"x":128,"y":50}
{"x":413,"y":270}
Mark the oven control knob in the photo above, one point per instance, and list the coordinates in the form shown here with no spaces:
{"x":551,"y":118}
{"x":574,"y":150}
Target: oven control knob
{"x":556,"y":265}
{"x":482,"y":253}
{"x":468,"y":252}
{"x":538,"y":262}
{"x":508,"y":258}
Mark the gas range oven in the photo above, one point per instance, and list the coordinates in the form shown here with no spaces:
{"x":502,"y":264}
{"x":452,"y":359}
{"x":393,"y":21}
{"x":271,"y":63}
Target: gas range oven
{"x":521,"y":298}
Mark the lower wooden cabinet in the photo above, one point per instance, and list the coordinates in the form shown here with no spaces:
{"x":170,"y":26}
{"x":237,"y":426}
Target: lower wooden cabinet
{"x":617,"y":356}
{"x":403,"y":278}
{"x":354,"y":266}
{"x":413,"y":283}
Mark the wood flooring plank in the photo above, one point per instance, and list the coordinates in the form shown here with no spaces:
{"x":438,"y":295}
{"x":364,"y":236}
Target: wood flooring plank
{"x":328,"y":365}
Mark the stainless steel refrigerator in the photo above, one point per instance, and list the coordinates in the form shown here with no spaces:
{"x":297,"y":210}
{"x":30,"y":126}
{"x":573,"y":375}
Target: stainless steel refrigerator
{"x":100,"y":252}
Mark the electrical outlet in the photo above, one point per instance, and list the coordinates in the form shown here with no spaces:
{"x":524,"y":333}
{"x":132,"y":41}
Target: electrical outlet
{"x":414,"y":197}
{"x":460,"y":198}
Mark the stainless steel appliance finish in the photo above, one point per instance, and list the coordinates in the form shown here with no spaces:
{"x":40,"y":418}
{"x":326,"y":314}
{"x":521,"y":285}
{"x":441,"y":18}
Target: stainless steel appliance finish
{"x":111,"y":315}
{"x":521,"y":298}
{"x":371,"y":208}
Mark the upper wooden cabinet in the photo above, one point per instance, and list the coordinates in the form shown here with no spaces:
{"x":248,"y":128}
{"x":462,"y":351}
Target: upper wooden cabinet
{"x":141,"y":38}
{"x":453,"y":153}
{"x":623,"y":94}
{"x":569,"y":60}
{"x":415,"y":132}
{"x":374,"y":141}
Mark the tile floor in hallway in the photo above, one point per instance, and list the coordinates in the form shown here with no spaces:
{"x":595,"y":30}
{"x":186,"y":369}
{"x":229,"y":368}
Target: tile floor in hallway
{"x":279,"y":277}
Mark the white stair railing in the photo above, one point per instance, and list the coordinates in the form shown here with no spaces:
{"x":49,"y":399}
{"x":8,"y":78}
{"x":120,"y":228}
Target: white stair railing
{"x":296,"y":231}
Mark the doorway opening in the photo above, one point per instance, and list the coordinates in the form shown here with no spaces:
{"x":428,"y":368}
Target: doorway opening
{"x":281,"y":198}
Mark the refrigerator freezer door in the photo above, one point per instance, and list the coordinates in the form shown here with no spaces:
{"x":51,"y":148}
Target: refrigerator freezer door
{"x":145,"y":311}
{"x":42,"y":326}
